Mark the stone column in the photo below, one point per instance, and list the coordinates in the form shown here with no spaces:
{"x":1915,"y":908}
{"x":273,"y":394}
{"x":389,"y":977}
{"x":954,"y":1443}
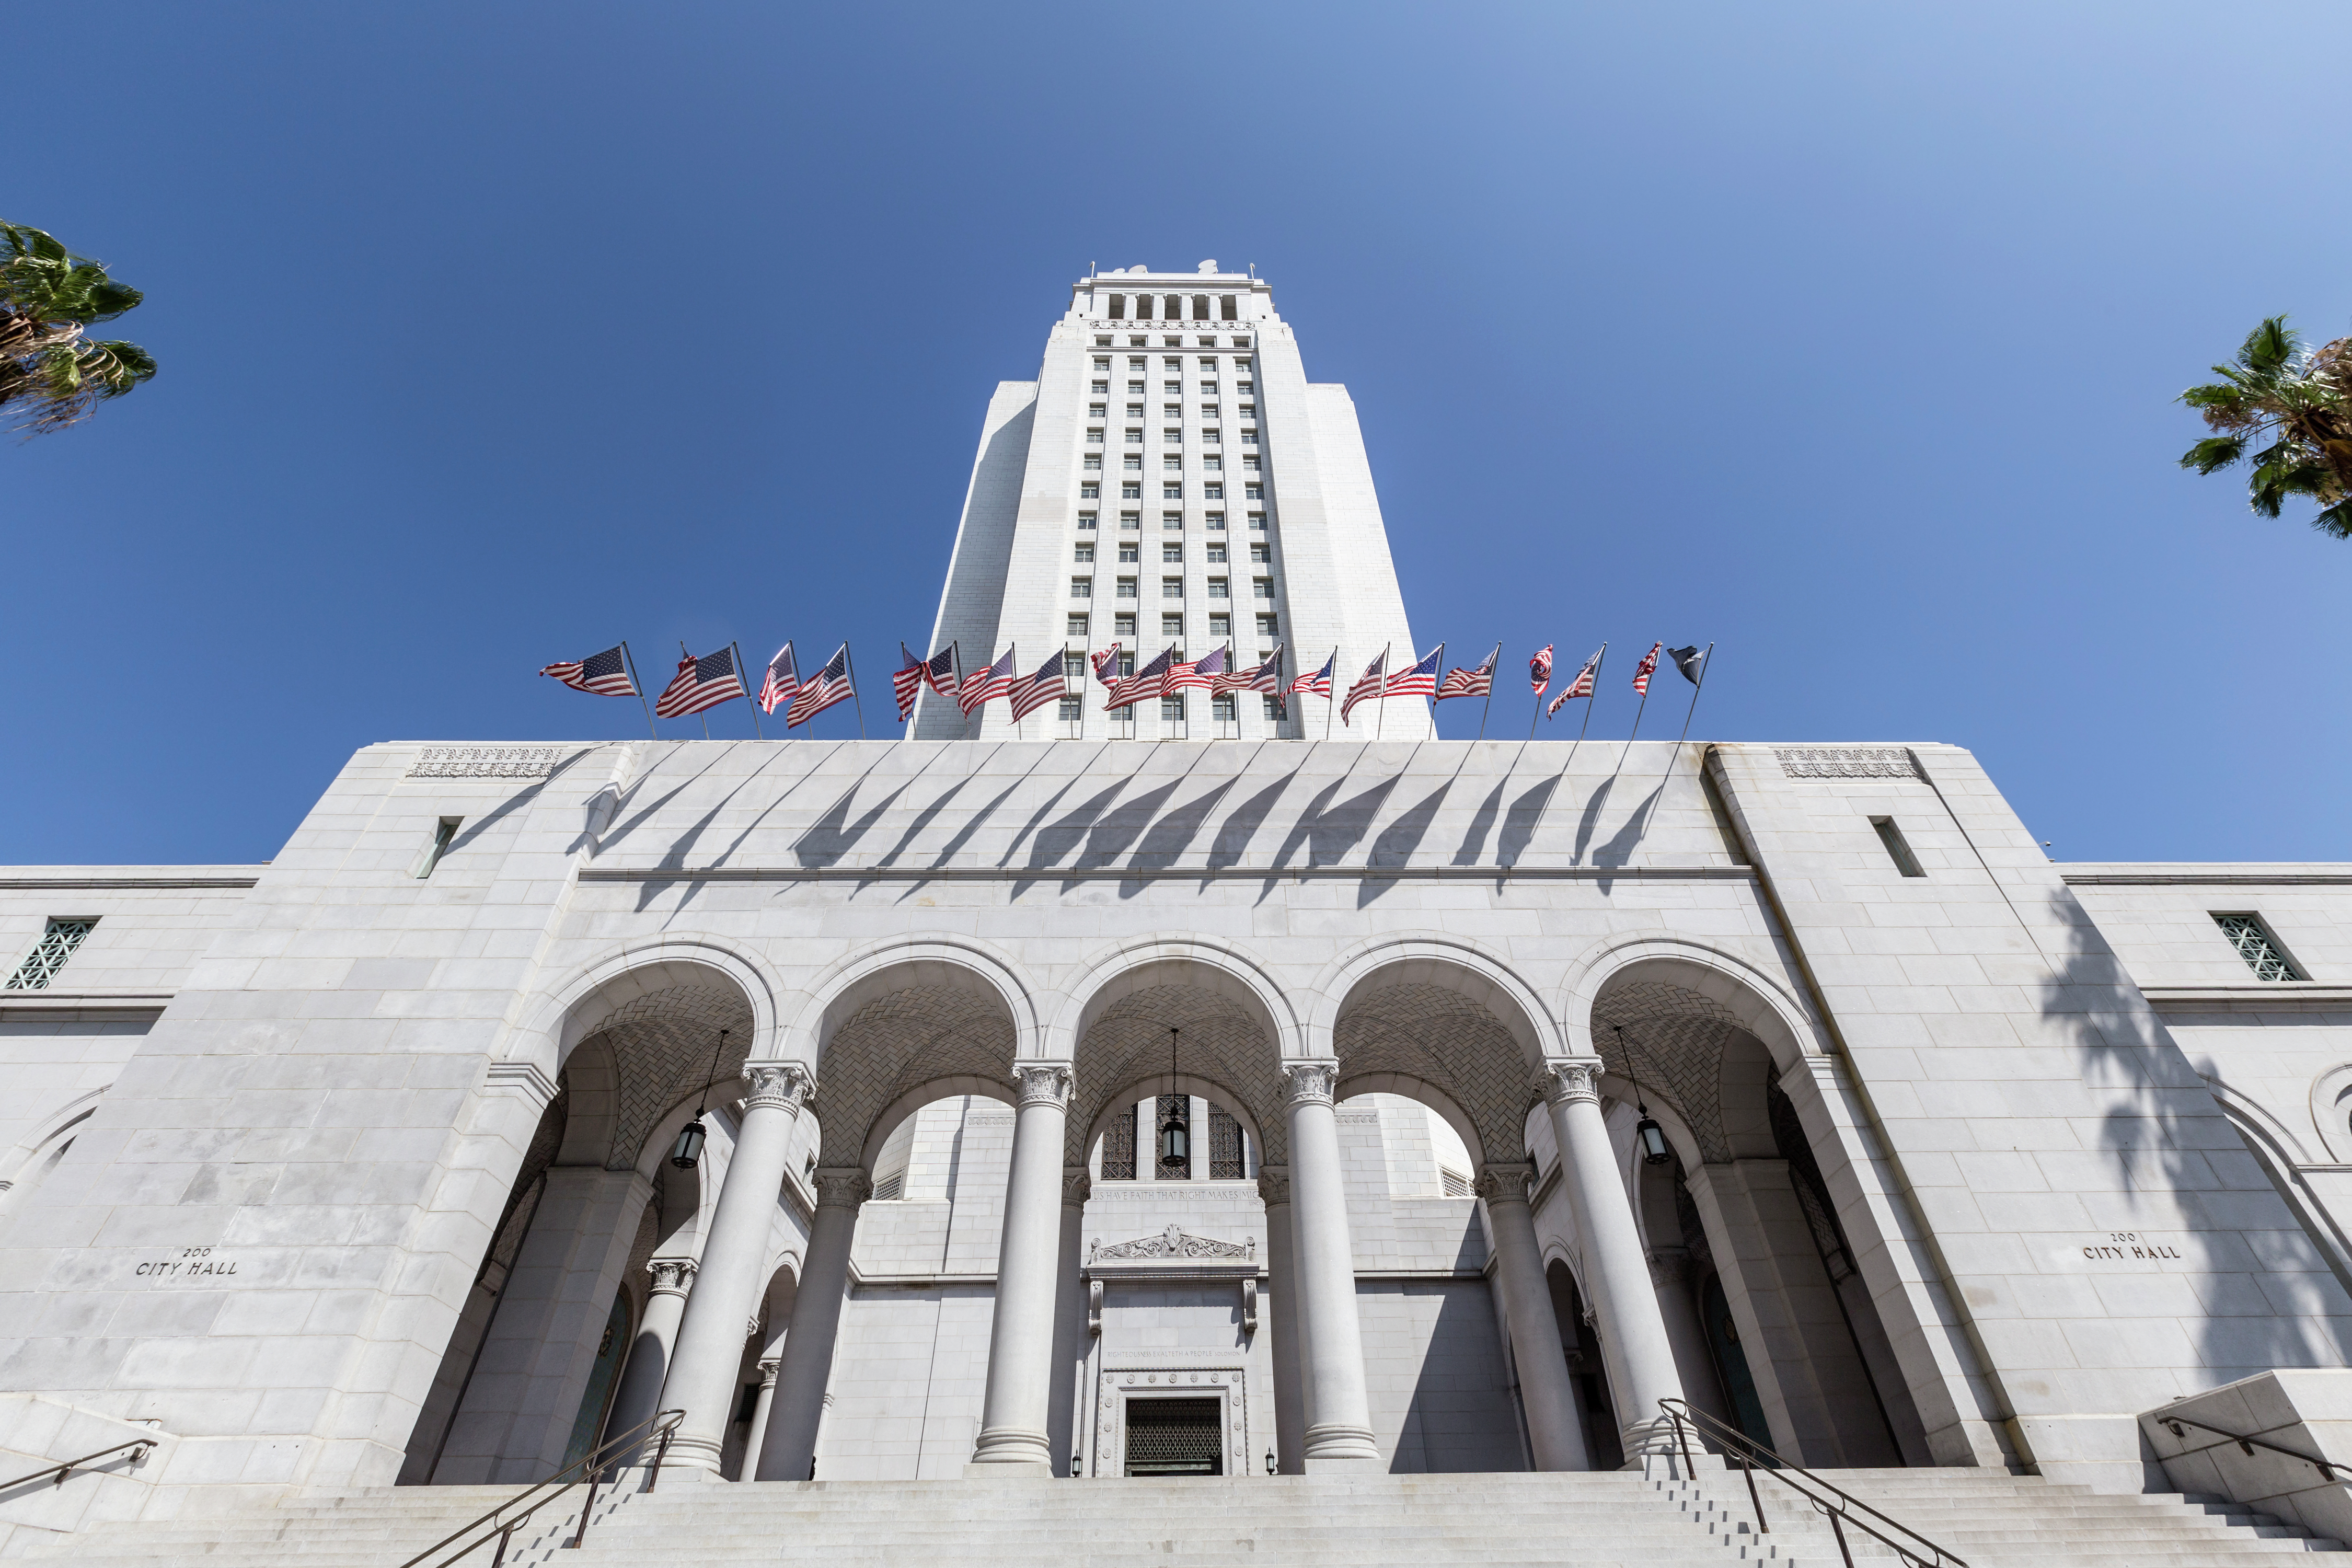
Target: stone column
{"x":1554,"y":1430}
{"x":734,"y":1262}
{"x":1671,"y":1276}
{"x":1339,"y":1413}
{"x":1070,"y":1321}
{"x":649,"y":1353}
{"x":1013,"y":1423}
{"x":1633,"y":1343}
{"x":1282,"y":1322}
{"x":789,"y":1447}
{"x":750,"y":1469}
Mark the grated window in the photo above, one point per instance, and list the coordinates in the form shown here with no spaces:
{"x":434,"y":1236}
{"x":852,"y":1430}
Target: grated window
{"x":1224,"y":1133}
{"x":1119,"y":1147}
{"x":2255,"y":944}
{"x":49,"y":954}
{"x":1179,"y":1106}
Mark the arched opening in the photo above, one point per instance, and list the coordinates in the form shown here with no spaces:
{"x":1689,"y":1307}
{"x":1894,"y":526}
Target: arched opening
{"x":1796,"y":1321}
{"x":1437,"y":1069}
{"x":535,"y":1367}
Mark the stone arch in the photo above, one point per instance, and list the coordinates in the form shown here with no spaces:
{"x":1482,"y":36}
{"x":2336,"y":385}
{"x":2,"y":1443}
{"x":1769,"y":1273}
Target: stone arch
{"x":1440,"y":1024}
{"x":1749,"y":997}
{"x":1236,"y":1030}
{"x":576,"y":1007}
{"x":902,"y":1025}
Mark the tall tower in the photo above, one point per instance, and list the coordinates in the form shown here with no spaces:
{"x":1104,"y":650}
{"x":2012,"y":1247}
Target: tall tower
{"x":1171,"y":477}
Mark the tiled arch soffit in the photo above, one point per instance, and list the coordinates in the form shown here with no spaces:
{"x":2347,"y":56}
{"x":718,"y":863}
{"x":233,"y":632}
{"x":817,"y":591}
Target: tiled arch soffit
{"x":657,"y":1049}
{"x":1170,"y":959}
{"x":1760,"y":1002}
{"x":936,"y":1033}
{"x":1430,"y":959}
{"x":818,"y":1012}
{"x":1222,"y":1046}
{"x":576,"y":1007}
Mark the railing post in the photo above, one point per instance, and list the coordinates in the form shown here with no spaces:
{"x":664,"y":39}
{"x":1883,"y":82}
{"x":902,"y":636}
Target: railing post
{"x":581,"y":1533}
{"x":1838,"y":1529}
{"x":1748,"y":1468}
{"x":505,"y":1536}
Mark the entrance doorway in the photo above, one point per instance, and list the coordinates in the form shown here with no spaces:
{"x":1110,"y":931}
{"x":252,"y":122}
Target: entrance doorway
{"x":1175,"y":1437}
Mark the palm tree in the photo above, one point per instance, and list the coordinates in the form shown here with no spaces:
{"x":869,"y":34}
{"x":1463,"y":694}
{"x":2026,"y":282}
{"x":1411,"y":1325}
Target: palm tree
{"x":2301,"y":404}
{"x":50,"y":374}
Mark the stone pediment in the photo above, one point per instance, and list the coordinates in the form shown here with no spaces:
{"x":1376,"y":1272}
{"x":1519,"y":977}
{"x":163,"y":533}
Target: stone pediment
{"x":1172,"y":1246}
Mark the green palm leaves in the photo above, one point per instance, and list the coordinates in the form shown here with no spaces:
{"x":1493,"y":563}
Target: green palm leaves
{"x":2296,"y":407}
{"x":51,"y":374}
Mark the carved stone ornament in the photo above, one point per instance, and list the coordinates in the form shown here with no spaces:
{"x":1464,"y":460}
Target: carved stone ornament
{"x":672,"y":1276}
{"x":1503,"y":1184}
{"x":1094,"y":1307}
{"x":783,"y":1086}
{"x":1568,"y":1082}
{"x":1042,"y":1083}
{"x":767,"y":1371}
{"x":1310,"y":1083}
{"x":843,"y":1189}
{"x":1077,"y":1186}
{"x":1172,"y":1243}
{"x":484,"y":761}
{"x":1274,"y":1185}
{"x":1846,"y":763}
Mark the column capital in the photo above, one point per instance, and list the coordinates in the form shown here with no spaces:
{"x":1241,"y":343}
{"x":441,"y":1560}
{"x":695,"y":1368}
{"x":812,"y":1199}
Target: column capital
{"x":1077,"y":1185}
{"x":1504,"y":1184}
{"x":1310,"y":1083}
{"x":767,"y":1371}
{"x":784,"y":1086}
{"x":672,"y":1276}
{"x":839,"y":1187}
{"x":1568,"y":1082}
{"x":1274,"y":1185}
{"x":1043,"y":1083}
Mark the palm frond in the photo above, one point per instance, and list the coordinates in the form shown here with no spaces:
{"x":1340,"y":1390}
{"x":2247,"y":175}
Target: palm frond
{"x":2269,"y":348}
{"x":2335,"y":521}
{"x":2214,"y":452}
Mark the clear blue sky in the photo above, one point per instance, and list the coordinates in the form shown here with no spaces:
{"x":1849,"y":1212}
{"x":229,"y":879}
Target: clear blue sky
{"x":1844,"y":336}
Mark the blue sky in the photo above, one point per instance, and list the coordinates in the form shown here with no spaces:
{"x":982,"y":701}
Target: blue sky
{"x":1842,"y":336}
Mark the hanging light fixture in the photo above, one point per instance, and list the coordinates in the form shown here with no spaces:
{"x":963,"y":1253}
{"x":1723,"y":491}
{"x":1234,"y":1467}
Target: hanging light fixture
{"x":686,"y":1153}
{"x":1175,"y":1136}
{"x":1646,"y":1131}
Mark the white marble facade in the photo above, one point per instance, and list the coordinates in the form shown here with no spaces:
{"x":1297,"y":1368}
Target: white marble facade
{"x":354,"y":1167}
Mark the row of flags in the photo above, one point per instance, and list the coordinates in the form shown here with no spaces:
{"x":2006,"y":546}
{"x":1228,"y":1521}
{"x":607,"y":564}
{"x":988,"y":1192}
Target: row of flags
{"x":704,"y":682}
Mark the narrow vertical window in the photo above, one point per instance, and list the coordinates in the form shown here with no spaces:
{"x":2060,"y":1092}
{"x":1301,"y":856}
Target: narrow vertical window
{"x":1176,"y":1108}
{"x":1229,"y":314}
{"x":1119,"y":1147}
{"x":1118,"y":307}
{"x":1898,"y":850}
{"x":1200,"y":307}
{"x":444,"y":832}
{"x":2258,"y":947}
{"x":1224,"y":1146}
{"x":59,"y":940}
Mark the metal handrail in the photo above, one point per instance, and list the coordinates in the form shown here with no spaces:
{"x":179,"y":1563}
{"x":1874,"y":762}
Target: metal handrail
{"x":67,"y":1468}
{"x":589,"y":1465}
{"x":2327,"y":1468}
{"x":1840,"y":1513}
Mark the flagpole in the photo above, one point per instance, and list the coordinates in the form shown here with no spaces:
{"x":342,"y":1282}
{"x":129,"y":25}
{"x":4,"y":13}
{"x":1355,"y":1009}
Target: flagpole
{"x":1331,"y":698}
{"x":704,"y":715}
{"x":745,"y":687}
{"x":1697,"y":687}
{"x":641,"y":690}
{"x":1598,"y":662}
{"x":1638,"y":712}
{"x":849,"y":664}
{"x":1380,"y":722}
{"x":1537,"y":714}
{"x":1494,"y":663}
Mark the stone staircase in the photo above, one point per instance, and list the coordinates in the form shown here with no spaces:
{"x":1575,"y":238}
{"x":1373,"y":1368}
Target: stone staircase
{"x":1580,"y":1521}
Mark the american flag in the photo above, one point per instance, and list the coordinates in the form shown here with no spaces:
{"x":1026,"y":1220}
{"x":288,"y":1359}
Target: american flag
{"x":1581,"y":686}
{"x":939,"y":671}
{"x":1143,"y":685}
{"x":606,"y":674}
{"x":1038,"y":689}
{"x":1236,"y":680}
{"x":1318,"y":681}
{"x":1106,"y":665}
{"x":1647,"y":668}
{"x":822,"y":689}
{"x":907,"y":681}
{"x":782,"y":682}
{"x":1201,"y":674}
{"x":1421,"y":680}
{"x":1368,"y":686}
{"x":1478,"y":682}
{"x":702,"y":683}
{"x":985,"y":685}
{"x":1540,"y":669}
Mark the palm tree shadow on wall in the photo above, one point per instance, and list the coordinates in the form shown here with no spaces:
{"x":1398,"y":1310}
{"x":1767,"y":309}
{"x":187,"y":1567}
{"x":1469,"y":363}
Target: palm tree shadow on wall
{"x":2270,"y":1298}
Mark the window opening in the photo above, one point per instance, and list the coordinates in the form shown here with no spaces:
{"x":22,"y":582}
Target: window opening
{"x":1229,"y":314}
{"x":2261,"y":950}
{"x":59,"y":940}
{"x":1175,"y":1437}
{"x":1119,"y":1147}
{"x":1897,"y":849}
{"x":444,"y":832}
{"x":1118,"y":307}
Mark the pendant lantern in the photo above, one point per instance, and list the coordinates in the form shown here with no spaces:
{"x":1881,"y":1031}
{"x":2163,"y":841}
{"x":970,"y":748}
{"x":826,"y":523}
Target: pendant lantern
{"x":1646,"y":1131}
{"x":1175,"y":1136}
{"x":686,"y":1153}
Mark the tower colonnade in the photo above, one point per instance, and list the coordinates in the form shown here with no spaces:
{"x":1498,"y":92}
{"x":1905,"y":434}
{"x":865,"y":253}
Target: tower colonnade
{"x":1326,"y":1425}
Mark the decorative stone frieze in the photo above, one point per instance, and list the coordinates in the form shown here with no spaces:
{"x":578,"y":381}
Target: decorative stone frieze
{"x":484,"y":761}
{"x":1846,"y":762}
{"x":1172,"y":1243}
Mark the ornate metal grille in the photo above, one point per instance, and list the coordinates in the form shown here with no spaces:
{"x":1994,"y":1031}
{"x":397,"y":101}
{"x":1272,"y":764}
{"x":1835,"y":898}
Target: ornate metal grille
{"x":1224,"y":1146}
{"x":2255,"y":945}
{"x":49,"y":954}
{"x":1175,"y":1437}
{"x":1180,"y":1106}
{"x":1119,"y":1148}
